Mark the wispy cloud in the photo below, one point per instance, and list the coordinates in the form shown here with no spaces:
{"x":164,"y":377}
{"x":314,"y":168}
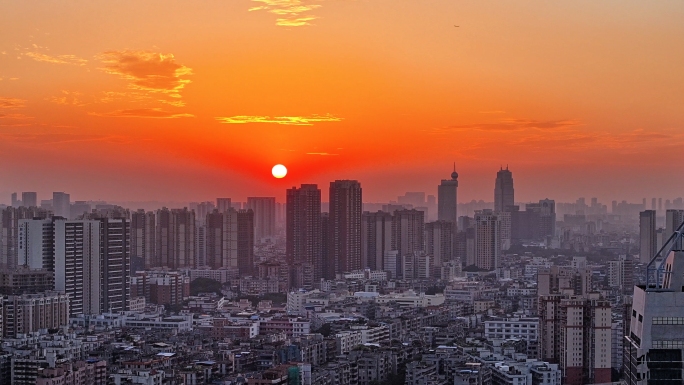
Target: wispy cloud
{"x":283,"y":120}
{"x":514,"y":125}
{"x":147,"y":71}
{"x":11,"y":102}
{"x":59,"y":59}
{"x":156,"y":113}
{"x":14,"y":116}
{"x":68,"y":98}
{"x":293,"y":13}
{"x":321,"y":154}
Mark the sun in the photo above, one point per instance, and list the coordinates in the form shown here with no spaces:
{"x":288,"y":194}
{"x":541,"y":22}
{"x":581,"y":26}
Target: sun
{"x":279,"y":171}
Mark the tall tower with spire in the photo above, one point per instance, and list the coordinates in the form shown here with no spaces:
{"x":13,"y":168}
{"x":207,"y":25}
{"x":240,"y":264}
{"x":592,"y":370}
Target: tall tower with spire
{"x":504,"y":197}
{"x":447,"y":202}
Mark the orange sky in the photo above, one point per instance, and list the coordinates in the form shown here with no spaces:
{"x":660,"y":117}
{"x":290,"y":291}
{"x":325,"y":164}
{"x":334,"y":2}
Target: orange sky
{"x":180,"y":100}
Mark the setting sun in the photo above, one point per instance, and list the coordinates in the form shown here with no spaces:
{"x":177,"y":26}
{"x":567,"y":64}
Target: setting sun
{"x":279,"y":171}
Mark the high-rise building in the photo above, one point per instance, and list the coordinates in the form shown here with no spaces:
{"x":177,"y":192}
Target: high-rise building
{"x":9,"y":234}
{"x":15,"y":200}
{"x":90,"y":260}
{"x":447,"y":199}
{"x":230,"y":240}
{"x":575,"y":332}
{"x":647,"y":235}
{"x":621,"y":274}
{"x":264,"y":209}
{"x":654,"y":345}
{"x":29,"y":313}
{"x":223,"y":204}
{"x":345,"y":227}
{"x":537,"y":222}
{"x":673,"y":218}
{"x":303,"y":233}
{"x":407,"y":233}
{"x":61,"y":204}
{"x":29,"y":199}
{"x":143,"y":233}
{"x":439,"y":241}
{"x":175,"y":238}
{"x":487,"y":239}
{"x":504,"y":197}
{"x":376,"y":238}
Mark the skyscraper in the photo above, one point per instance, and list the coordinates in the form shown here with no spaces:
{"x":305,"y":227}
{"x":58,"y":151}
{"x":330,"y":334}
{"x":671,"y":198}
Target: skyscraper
{"x":654,"y":346}
{"x":487,"y":239}
{"x":673,"y":218}
{"x":143,"y":232}
{"x":223,"y":204}
{"x":407,"y":233}
{"x":376,"y":238}
{"x":303,"y":233}
{"x":29,"y":199}
{"x":447,"y":199}
{"x":264,"y":209}
{"x":61,"y":204}
{"x":115,"y":264}
{"x":245,"y":242}
{"x":230,"y":240}
{"x":175,"y":238}
{"x":503,"y":191}
{"x":345,"y":227}
{"x":647,"y":235}
{"x":439,"y":241}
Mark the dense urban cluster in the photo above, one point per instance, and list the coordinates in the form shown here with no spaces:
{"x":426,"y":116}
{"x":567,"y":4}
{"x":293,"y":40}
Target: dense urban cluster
{"x":418,"y":291}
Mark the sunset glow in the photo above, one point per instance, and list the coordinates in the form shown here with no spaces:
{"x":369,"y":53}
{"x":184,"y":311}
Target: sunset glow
{"x":191,"y":100}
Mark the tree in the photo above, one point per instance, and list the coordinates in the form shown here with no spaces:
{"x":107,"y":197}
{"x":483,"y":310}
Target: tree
{"x":205,"y":285}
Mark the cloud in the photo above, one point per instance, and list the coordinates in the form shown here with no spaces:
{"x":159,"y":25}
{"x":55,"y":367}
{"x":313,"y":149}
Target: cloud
{"x":11,"y":102}
{"x":515,"y":125}
{"x":321,"y":153}
{"x":14,"y":116}
{"x":294,"y":13}
{"x":68,"y":98}
{"x":147,"y":71}
{"x":157,"y":113}
{"x":284,"y":120}
{"x":59,"y":59}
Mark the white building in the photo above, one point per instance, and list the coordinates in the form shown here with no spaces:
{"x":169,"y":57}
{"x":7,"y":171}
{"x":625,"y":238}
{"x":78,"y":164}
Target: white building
{"x":412,"y":299}
{"x":523,"y":328}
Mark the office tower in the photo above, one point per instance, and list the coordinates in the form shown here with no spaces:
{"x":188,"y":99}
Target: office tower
{"x":439,"y":242}
{"x":654,"y":345}
{"x":447,"y":198}
{"x":264,"y":209}
{"x":143,"y":235}
{"x":345,"y":227}
{"x":503,"y":190}
{"x":376,"y":238}
{"x":303,"y":233}
{"x":175,"y":238}
{"x":61,"y":204}
{"x":15,"y":200}
{"x":575,"y":332}
{"x":29,"y":313}
{"x":673,"y":218}
{"x":223,"y":204}
{"x":647,"y":235}
{"x":487,"y":239}
{"x":29,"y":199}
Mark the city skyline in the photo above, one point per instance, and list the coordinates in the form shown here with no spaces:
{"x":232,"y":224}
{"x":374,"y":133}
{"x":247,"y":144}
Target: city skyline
{"x":337,"y":91}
